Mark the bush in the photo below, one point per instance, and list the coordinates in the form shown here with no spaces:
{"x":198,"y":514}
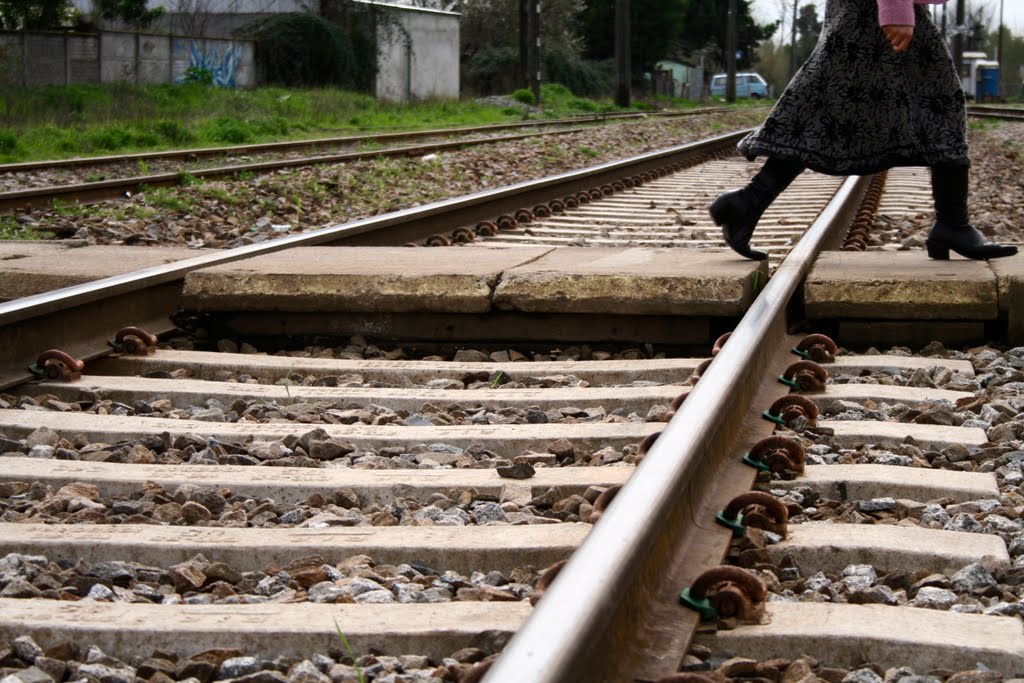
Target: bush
{"x":302,"y":49}
{"x":525,"y":96}
{"x":8,"y":141}
{"x":118,"y":137}
{"x":173,"y":132}
{"x":229,"y":130}
{"x":199,"y":75}
{"x":493,"y":70}
{"x":582,"y":77}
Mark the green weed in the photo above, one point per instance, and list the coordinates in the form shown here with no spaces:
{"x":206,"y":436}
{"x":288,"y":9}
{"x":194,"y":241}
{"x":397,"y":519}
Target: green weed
{"x":168,"y":199}
{"x":221,"y":195}
{"x":11,"y":229}
{"x":70,"y":210}
{"x":186,"y":179}
{"x":142,"y":212}
{"x":350,"y":651}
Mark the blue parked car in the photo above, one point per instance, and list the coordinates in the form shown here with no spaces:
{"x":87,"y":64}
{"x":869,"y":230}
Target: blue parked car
{"x":748,"y":84}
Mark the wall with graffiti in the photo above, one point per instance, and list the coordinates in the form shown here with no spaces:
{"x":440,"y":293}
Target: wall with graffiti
{"x":225,"y":61}
{"x":41,"y":58}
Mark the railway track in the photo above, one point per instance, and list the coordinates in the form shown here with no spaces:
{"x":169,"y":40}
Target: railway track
{"x":1001,"y":113}
{"x":388,"y":474}
{"x":94,"y":179}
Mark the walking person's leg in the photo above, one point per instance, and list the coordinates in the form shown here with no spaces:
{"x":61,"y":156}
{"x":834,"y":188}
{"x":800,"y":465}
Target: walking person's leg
{"x":739,"y":210}
{"x":952,"y":230}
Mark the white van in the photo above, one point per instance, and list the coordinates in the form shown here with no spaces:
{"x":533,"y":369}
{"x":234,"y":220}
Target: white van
{"x":748,"y":84}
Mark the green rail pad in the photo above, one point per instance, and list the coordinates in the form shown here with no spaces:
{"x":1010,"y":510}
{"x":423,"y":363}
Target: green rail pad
{"x":802,"y":354}
{"x":777,"y":419}
{"x":707,"y":612}
{"x":789,"y":383}
{"x":735,"y":524}
{"x":755,"y":463}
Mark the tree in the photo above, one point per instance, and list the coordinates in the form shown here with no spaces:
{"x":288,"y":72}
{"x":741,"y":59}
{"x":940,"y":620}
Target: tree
{"x":655,"y":27}
{"x":808,"y":29}
{"x":493,"y":24}
{"x":134,"y":13}
{"x":489,"y":36}
{"x":17,"y":15}
{"x":44,"y":15}
{"x":705,"y":25}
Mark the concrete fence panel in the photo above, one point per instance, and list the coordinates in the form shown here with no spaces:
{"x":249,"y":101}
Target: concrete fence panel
{"x":45,"y":58}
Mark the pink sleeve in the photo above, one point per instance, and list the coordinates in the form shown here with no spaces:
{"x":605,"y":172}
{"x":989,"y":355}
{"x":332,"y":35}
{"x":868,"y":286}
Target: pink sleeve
{"x":895,"y":12}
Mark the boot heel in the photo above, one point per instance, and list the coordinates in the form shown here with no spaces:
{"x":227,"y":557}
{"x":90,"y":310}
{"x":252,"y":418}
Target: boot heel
{"x":721,"y":210}
{"x":937,"y":250}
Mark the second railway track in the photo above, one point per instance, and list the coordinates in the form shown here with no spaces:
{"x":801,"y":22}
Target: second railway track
{"x":256,"y":507}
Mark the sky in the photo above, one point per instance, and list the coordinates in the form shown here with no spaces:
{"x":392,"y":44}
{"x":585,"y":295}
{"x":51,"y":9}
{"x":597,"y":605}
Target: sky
{"x":1013,"y":10}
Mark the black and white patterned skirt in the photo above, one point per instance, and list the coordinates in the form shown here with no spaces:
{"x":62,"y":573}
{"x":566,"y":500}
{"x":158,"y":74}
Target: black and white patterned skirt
{"x":857,"y":107}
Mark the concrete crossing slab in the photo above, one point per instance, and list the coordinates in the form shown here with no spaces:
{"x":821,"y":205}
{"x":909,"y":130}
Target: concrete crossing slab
{"x":530,"y":279}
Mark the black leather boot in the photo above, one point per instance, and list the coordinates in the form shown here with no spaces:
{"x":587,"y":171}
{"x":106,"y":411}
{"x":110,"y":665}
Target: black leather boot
{"x":952,"y":230}
{"x":739,"y":210}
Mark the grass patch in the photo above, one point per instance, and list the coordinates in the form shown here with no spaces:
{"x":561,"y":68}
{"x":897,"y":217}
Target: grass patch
{"x":142,"y":212}
{"x":163,"y":198}
{"x":221,"y":195}
{"x":11,"y":229}
{"x":55,"y":122}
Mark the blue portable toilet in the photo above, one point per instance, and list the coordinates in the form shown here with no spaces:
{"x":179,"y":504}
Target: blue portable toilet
{"x":988,"y":82}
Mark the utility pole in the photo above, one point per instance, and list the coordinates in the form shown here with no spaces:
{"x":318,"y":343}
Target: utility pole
{"x":534,"y":21}
{"x":524,"y":44}
{"x":958,"y":40}
{"x":999,"y":46}
{"x":730,"y":57}
{"x":792,"y":44}
{"x":623,"y":74}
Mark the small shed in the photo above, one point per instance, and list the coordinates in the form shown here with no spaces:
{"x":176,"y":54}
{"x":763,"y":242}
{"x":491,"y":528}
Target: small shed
{"x":417,"y":52}
{"x":673,"y":78}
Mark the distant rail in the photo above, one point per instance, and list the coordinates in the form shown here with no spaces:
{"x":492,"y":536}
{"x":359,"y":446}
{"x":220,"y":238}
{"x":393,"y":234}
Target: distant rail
{"x":113,"y":188}
{"x":194,"y":154}
{"x":1003,"y":113}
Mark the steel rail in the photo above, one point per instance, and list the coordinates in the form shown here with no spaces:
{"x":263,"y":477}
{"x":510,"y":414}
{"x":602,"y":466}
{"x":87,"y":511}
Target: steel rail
{"x":116,"y":187}
{"x":79,"y":319}
{"x":291,"y":145}
{"x":993,"y":112}
{"x":592,"y":623}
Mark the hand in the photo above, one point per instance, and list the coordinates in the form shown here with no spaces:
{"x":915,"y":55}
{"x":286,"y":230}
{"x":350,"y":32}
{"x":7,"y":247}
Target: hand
{"x":899,"y":36}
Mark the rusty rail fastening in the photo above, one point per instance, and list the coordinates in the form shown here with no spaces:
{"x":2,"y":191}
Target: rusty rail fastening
{"x":699,"y":370}
{"x":859,"y":236}
{"x":56,"y":364}
{"x":545,"y":580}
{"x":755,"y":509}
{"x":134,"y":340}
{"x":777,"y":454}
{"x":805,"y":375}
{"x":794,"y":411}
{"x":602,"y":502}
{"x":817,"y":347}
{"x":719,"y":343}
{"x":726,"y":592}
